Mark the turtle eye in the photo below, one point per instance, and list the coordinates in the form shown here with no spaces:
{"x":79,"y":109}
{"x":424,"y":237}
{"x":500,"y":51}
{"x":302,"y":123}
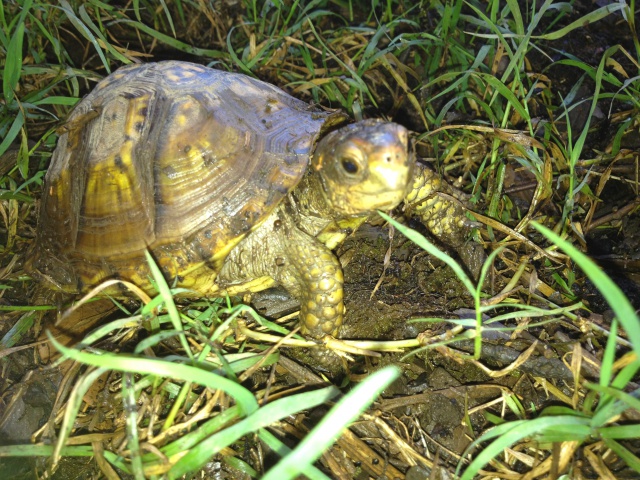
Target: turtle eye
{"x":349,"y":166}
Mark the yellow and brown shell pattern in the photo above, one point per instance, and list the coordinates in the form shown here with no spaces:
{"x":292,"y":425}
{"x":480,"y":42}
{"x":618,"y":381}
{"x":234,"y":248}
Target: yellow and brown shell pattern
{"x":173,"y":157}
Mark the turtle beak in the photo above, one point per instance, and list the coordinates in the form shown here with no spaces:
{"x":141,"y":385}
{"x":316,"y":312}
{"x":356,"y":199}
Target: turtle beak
{"x":390,"y":173}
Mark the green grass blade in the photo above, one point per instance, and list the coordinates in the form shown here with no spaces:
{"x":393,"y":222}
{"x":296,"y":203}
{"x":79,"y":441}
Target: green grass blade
{"x":94,"y":28}
{"x":165,"y":293}
{"x":609,"y":357}
{"x":513,"y":432}
{"x":343,"y":413}
{"x":13,"y":132}
{"x":426,"y":245}
{"x":591,"y":17}
{"x":613,"y":295}
{"x":172,"y":42}
{"x":167,"y":14}
{"x":84,"y":31}
{"x":607,"y":411}
{"x":626,"y":455}
{"x":19,"y":331}
{"x":267,"y":415}
{"x":45,"y":451}
{"x":13,"y":65}
{"x":129,"y":403}
{"x":514,"y":7}
{"x":152,"y":366}
{"x":506,"y":92}
{"x":626,"y":375}
{"x":74,"y":403}
{"x":204,"y":430}
{"x":620,"y":432}
{"x":281,"y":449}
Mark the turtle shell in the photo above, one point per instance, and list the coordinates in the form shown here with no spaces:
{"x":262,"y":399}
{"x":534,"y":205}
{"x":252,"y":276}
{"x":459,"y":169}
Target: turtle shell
{"x":173,"y":157}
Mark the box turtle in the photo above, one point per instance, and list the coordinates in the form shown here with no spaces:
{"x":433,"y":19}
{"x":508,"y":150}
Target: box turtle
{"x":231,"y":184}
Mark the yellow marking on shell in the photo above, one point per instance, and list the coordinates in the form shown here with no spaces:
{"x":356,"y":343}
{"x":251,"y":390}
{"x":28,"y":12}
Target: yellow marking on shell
{"x":59,"y":189}
{"x":204,"y":146}
{"x":183,"y":71}
{"x":181,"y":120}
{"x":193,"y":269}
{"x":108,"y":181}
{"x":187,"y":109}
{"x":200,"y":276}
{"x":109,"y":80}
{"x":135,"y":118}
{"x":197,"y":154}
{"x":175,"y":75}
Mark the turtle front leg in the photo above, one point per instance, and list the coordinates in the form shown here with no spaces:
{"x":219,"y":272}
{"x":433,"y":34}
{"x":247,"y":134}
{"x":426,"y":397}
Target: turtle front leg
{"x":444,"y":218}
{"x":313,"y":274}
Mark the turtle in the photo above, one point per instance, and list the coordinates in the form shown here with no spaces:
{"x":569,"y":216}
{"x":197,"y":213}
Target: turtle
{"x":229,"y":182}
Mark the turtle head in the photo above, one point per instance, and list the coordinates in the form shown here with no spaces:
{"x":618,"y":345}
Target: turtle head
{"x":364,"y":166}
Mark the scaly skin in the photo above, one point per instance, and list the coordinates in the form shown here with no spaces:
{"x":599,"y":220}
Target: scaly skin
{"x":446,"y":220}
{"x":280,"y":252}
{"x":318,"y":276}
